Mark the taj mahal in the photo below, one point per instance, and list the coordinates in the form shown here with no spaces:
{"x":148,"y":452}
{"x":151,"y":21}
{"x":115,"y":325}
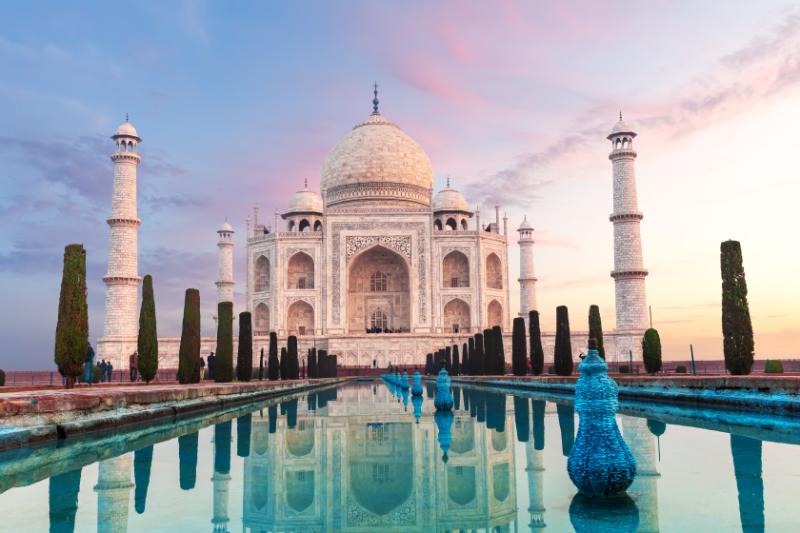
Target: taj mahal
{"x":377,"y":267}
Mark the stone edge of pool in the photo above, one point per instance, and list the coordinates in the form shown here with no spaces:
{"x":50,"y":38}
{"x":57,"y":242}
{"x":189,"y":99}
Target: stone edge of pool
{"x":32,"y":417}
{"x":750,"y":393}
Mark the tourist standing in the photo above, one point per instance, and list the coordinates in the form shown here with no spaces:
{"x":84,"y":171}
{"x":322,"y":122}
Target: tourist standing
{"x":109,"y":370}
{"x":211,"y":365}
{"x":88,"y":364}
{"x":202,"y":369}
{"x":134,"y":365}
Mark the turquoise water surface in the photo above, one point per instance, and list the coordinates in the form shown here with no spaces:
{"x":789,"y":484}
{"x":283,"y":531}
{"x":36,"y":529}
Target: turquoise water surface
{"x":358,"y":458}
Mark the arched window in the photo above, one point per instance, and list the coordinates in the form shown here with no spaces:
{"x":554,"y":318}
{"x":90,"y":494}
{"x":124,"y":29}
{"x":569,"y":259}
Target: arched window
{"x":290,"y":225}
{"x":378,"y":282}
{"x":318,"y":225}
{"x":304,"y":225}
{"x":300,"y":272}
{"x":378,"y":320}
{"x":262,"y":274}
{"x":262,"y":320}
{"x":494,"y":272}
{"x":464,"y":224}
{"x":451,"y":224}
{"x":437,"y":224}
{"x":455,"y":270}
{"x":495,"y":314}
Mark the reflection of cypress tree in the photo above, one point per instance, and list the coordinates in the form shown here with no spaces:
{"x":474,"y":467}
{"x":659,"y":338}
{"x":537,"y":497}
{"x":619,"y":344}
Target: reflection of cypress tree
{"x":142,"y":463}
{"x":473,"y":405}
{"x":429,"y":389}
{"x":284,"y":408}
{"x":63,"y":500}
{"x":466,"y":400}
{"x":566,"y":423}
{"x":538,"y":407}
{"x":500,"y":411}
{"x":747,"y":467}
{"x":291,"y":413}
{"x":187,"y":455}
{"x":312,"y":402}
{"x":243,"y":426}
{"x":456,"y":398}
{"x":222,"y":448}
{"x":272,"y":413}
{"x":481,"y":410}
{"x":522,"y":418}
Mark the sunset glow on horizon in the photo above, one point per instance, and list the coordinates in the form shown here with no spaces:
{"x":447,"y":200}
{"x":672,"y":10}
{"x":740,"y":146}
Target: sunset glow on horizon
{"x":238,"y":104}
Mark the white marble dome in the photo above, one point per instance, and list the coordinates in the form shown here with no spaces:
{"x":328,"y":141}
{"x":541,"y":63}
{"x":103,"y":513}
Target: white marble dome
{"x":450,"y":199}
{"x":377,"y":161}
{"x":226,"y":227}
{"x":126,"y":129}
{"x":305,"y":201}
{"x":621,"y":127}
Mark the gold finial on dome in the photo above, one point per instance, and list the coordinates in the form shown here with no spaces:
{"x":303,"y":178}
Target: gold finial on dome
{"x":448,"y":182}
{"x":375,"y":100}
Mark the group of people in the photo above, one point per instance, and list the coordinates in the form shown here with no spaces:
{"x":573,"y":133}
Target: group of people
{"x":386,"y":330}
{"x":212,"y":365}
{"x":106,"y":368}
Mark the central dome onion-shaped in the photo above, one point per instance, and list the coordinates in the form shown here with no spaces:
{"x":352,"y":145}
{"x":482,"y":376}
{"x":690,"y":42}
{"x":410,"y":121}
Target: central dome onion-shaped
{"x":377,"y":163}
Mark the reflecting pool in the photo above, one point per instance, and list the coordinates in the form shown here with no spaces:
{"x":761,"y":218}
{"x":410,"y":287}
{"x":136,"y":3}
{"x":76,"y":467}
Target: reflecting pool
{"x":367,"y":457}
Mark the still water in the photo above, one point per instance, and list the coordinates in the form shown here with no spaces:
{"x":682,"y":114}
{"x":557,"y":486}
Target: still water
{"x":364,"y":457}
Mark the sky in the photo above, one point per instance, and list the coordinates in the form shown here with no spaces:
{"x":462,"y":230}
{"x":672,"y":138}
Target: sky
{"x":238,"y":103}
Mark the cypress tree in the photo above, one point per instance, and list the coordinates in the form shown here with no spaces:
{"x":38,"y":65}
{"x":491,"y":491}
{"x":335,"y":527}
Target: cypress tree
{"x":72,"y":328}
{"x":563,"y":349}
{"x":284,"y":364}
{"x":322,"y":364}
{"x":479,"y":355}
{"x":456,"y":362}
{"x":537,"y":353}
{"x":737,"y":329}
{"x":244,"y":353}
{"x":448,"y":365}
{"x":596,"y":329}
{"x":312,"y":363}
{"x":261,"y":365}
{"x":189,"y":352}
{"x":293,"y":362}
{"x":464,"y":369}
{"x":147,"y":342}
{"x":651,"y":351}
{"x":499,"y":351}
{"x":489,"y":357}
{"x":223,"y":371}
{"x":471,"y":356}
{"x":428,"y":364}
{"x":519,"y":353}
{"x":273,"y":366}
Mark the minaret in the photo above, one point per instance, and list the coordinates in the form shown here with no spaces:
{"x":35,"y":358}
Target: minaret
{"x":527,"y":278}
{"x":122,"y":280}
{"x":629,"y":271}
{"x":113,"y":494}
{"x":225,"y":260}
{"x":535,"y":470}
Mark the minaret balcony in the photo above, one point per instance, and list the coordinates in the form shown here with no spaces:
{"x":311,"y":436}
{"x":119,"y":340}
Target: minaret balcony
{"x":629,"y":274}
{"x":620,"y":217}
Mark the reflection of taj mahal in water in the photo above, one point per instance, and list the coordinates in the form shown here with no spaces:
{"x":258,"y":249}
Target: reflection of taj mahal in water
{"x":368,"y":466}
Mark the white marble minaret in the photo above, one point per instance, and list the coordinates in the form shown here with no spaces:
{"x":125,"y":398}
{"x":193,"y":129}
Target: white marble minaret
{"x":122,"y":280}
{"x":629,"y":271}
{"x":225,"y":260}
{"x":527,"y":278}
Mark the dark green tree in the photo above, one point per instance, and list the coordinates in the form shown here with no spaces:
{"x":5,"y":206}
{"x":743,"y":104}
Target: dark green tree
{"x":284,"y":364}
{"x":563,"y":349}
{"x":489,"y":357}
{"x":479,"y":356}
{"x":147,"y":342}
{"x":471,"y":356}
{"x":456,"y":362}
{"x":737,"y":329}
{"x":261,"y":365}
{"x":519,"y":352}
{"x":312,"y":363}
{"x":651,"y":351}
{"x":464,"y":368}
{"x":223,"y":370}
{"x":499,"y":351}
{"x":142,"y":464}
{"x":293,"y":361}
{"x":448,"y":365}
{"x":72,"y":328}
{"x":535,"y":339}
{"x":189,"y":351}
{"x":596,"y":329}
{"x":273,"y":365}
{"x":429,"y":364}
{"x":244,"y":352}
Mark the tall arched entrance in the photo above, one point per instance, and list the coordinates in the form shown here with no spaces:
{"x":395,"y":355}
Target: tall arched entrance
{"x":378,"y":297}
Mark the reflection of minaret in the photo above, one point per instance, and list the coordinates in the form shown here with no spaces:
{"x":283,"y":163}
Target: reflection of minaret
{"x":113,"y":494}
{"x":645,"y":486}
{"x":535,"y":470}
{"x":749,"y":484}
{"x":221,"y":478}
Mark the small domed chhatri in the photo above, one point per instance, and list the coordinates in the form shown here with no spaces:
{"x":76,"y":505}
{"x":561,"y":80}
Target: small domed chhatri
{"x":449,"y":199}
{"x":126,"y":129}
{"x":305,"y":201}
